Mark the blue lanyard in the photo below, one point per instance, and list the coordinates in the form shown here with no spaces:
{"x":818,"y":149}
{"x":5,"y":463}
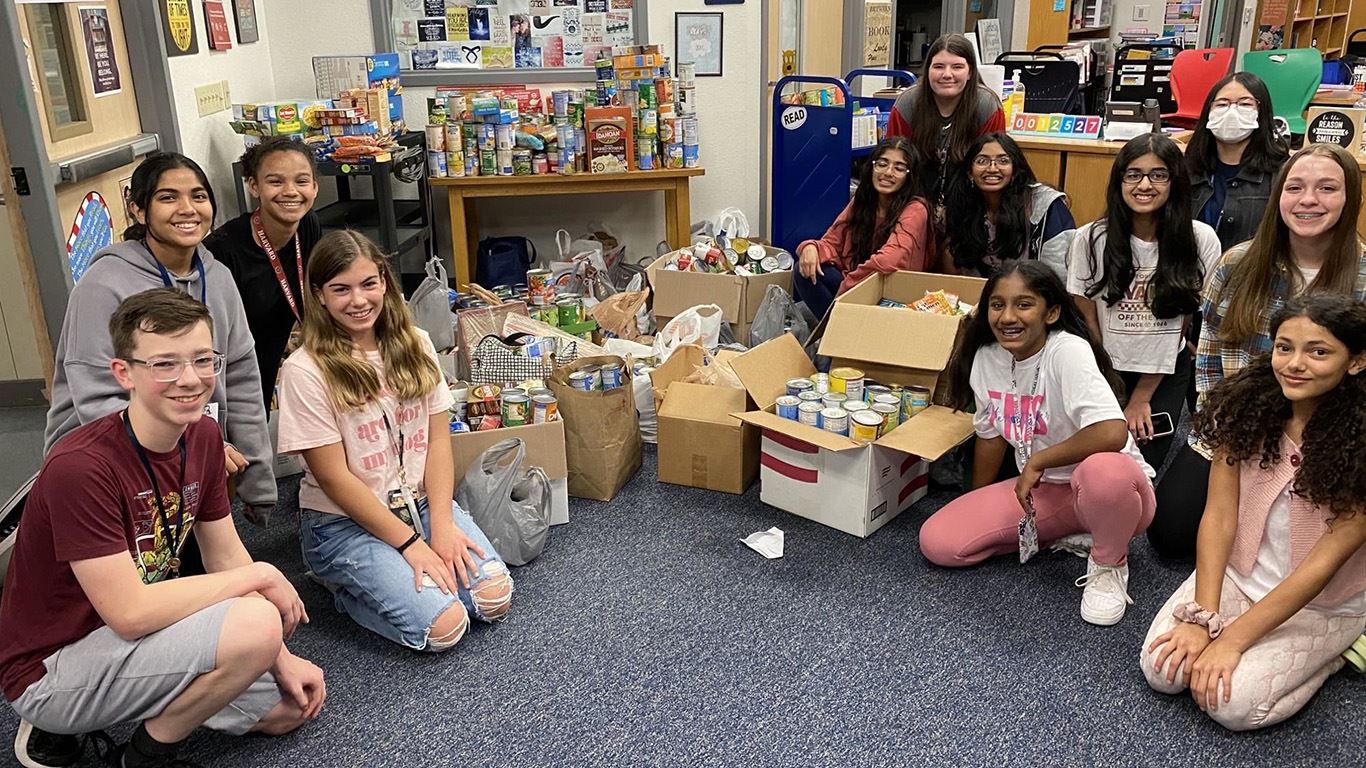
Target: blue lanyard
{"x":199,"y":267}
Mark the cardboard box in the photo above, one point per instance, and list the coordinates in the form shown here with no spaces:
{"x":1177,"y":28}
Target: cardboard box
{"x":544,"y":449}
{"x":701,"y":443}
{"x":827,"y":477}
{"x":893,"y":345}
{"x":738,"y":297}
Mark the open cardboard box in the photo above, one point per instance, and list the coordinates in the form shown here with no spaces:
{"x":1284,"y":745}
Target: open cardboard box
{"x":544,"y":449}
{"x":738,"y":297}
{"x":701,"y":444}
{"x":827,"y":477}
{"x":892,"y":345}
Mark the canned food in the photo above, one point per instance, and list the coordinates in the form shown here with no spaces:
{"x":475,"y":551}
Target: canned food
{"x":504,"y":158}
{"x":888,"y":414}
{"x":436,"y":111}
{"x":455,"y":164}
{"x":787,"y":406}
{"x":544,"y":409}
{"x":436,"y":137}
{"x":488,"y":136}
{"x":919,"y":398}
{"x":436,"y":165}
{"x":540,"y":164}
{"x":864,"y":427}
{"x":559,"y":101}
{"x":458,"y":427}
{"x":798,"y":386}
{"x":540,"y":287}
{"x":516,"y":409}
{"x":548,"y":314}
{"x":846,"y":380}
{"x":871,"y":391}
{"x":612,"y":375}
{"x":853,"y":406}
{"x":835,"y":420}
{"x":521,"y":162}
{"x":809,"y":396}
{"x":809,"y":414}
{"x":582,"y":381}
{"x":502,"y":137}
{"x":570,"y":310}
{"x":834,"y":400}
{"x":460,"y":397}
{"x":535,"y":392}
{"x":488,"y":162}
{"x":594,"y":376}
{"x":822,"y":382}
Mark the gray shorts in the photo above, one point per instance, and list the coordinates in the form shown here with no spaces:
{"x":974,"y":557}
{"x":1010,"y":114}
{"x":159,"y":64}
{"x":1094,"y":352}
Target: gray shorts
{"x":102,"y":680}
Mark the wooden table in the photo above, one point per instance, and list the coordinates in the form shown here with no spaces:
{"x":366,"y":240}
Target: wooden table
{"x":1335,"y":97}
{"x":461,"y":194}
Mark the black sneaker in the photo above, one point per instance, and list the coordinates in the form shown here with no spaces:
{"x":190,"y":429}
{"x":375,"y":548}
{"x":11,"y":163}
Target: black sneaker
{"x":37,"y":748}
{"x":113,"y":757}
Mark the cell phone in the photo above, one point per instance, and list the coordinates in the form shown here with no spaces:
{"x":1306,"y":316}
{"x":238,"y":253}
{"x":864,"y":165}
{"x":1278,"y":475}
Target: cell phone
{"x":1162,"y":424}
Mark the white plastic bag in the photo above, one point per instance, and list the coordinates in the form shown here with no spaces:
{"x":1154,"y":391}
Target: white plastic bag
{"x":731,"y":222}
{"x":580,"y":268}
{"x":777,"y":315}
{"x":699,"y":325}
{"x":644,"y":394}
{"x":509,"y":504}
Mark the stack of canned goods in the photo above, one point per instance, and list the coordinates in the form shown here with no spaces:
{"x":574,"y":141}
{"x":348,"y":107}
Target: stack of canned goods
{"x":843,"y":402}
{"x":489,"y":406}
{"x":599,"y":378}
{"x":729,"y":255}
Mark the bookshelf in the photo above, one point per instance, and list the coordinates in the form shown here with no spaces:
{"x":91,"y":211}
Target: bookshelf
{"x":1323,"y":24}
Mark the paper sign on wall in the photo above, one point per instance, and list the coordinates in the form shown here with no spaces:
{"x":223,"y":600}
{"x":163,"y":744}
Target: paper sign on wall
{"x":877,"y":34}
{"x":457,"y":24}
{"x":92,"y":229}
{"x":99,"y":51}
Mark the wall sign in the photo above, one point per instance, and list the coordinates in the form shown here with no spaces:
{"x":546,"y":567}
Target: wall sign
{"x":244,"y":11}
{"x":216,"y":22}
{"x":177,"y":26}
{"x":1336,"y":125}
{"x":699,"y":38}
{"x":92,"y":230}
{"x":877,"y":34}
{"x":99,"y":50}
{"x":1057,"y":126}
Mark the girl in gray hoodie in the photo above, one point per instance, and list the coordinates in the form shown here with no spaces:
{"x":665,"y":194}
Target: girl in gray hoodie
{"x":173,"y":208}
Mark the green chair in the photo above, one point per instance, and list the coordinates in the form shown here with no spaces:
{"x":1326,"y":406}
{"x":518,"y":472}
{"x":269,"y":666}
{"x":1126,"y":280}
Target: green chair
{"x":1292,"y":75}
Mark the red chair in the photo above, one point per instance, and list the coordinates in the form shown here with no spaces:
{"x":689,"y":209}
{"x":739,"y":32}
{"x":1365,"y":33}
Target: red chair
{"x":1194,"y":73}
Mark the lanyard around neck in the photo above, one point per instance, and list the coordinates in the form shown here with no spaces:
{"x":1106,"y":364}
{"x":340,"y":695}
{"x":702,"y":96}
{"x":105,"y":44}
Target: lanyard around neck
{"x":259,"y":230}
{"x":1029,"y":419}
{"x":198,"y":264}
{"x":171,"y":534}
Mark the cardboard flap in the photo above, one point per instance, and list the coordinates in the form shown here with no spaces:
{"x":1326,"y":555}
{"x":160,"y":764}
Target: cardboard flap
{"x":702,"y":402}
{"x":545,"y":448}
{"x":879,"y":334}
{"x":765,"y":369}
{"x":931,"y":433}
{"x":677,"y":291}
{"x":795,"y":429}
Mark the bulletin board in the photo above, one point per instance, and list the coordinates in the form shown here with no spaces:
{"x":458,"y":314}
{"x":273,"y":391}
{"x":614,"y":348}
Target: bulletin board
{"x":521,"y":35}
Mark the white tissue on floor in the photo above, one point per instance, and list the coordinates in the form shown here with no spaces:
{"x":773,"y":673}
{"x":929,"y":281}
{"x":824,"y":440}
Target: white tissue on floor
{"x":767,"y":543}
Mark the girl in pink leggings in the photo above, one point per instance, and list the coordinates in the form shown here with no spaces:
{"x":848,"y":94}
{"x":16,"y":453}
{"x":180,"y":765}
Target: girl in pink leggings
{"x":1044,"y":389}
{"x":1279,"y":589}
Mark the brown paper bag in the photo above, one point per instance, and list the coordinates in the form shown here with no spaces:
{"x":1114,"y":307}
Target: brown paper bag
{"x":616,"y":314}
{"x":601,"y":432}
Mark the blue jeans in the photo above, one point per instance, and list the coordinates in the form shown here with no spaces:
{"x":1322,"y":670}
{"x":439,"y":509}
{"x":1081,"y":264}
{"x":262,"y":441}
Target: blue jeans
{"x":373,"y":584}
{"x":819,"y":295}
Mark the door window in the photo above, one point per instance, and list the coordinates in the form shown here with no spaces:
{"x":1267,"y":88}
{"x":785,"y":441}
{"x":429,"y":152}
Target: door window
{"x":54,"y":52}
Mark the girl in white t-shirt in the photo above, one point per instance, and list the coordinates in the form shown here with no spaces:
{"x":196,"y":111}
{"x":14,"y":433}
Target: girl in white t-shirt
{"x":1279,"y":588}
{"x":1136,"y":276}
{"x":1045,"y":391}
{"x":364,"y":403}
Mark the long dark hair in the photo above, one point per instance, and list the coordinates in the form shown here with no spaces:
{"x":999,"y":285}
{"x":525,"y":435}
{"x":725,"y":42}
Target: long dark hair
{"x":1040,"y":279}
{"x":1264,"y":152}
{"x":925,"y":119}
{"x":967,"y":209}
{"x":1244,"y":415}
{"x":1175,"y":286}
{"x":256,"y":154}
{"x":144,"y":183}
{"x":865,"y":235}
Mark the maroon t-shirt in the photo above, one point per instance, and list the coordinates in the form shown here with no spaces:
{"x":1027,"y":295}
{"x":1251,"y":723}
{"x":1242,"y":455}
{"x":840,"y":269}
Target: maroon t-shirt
{"x":92,"y":499}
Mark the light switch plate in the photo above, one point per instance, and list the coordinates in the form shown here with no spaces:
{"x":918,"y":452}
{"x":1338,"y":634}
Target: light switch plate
{"x":212,"y":98}
{"x":1140,"y":13}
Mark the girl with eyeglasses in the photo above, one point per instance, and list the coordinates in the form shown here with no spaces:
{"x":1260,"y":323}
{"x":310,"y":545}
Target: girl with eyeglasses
{"x":1306,"y":244}
{"x":1001,"y":212}
{"x":884,"y":228}
{"x":171,"y":205}
{"x":1136,"y":276}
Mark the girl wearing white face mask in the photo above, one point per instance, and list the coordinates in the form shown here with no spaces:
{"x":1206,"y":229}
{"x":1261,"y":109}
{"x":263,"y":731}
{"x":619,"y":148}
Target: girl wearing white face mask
{"x":1232,"y":157}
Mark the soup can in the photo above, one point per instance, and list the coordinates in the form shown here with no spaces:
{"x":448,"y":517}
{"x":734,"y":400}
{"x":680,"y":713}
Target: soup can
{"x":892,"y":409}
{"x":544,"y":409}
{"x":809,"y":396}
{"x":864,"y":427}
{"x":854,"y":406}
{"x":888,"y":414}
{"x":570,"y":310}
{"x":540,"y":288}
{"x":919,"y":398}
{"x":847,"y":380}
{"x":797,"y":386}
{"x":834,"y":400}
{"x":582,"y":381}
{"x":504,"y":157}
{"x":612,"y":375}
{"x":835,"y":420}
{"x":822,"y":382}
{"x":521,"y":162}
{"x":502,"y":137}
{"x":516,"y":409}
{"x":559,"y":101}
{"x":436,"y":165}
{"x":872,"y":391}
{"x":436,"y":138}
{"x":488,"y":162}
{"x":460,"y":397}
{"x":488,"y":136}
{"x":809,"y":414}
{"x":787,"y":406}
{"x":594,"y":377}
{"x":455,"y":164}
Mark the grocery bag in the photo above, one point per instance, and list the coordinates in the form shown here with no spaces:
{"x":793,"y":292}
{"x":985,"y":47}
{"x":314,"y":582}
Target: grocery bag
{"x":777,"y":314}
{"x":699,"y":325}
{"x":431,"y":306}
{"x":509,"y":504}
{"x":601,"y":431}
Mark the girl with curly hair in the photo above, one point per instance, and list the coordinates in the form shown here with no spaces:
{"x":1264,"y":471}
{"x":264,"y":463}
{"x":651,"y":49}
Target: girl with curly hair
{"x":884,"y":228}
{"x":1045,"y":393}
{"x":1307,"y":243}
{"x":1002,"y":212}
{"x":1281,"y":543}
{"x":1136,"y":276}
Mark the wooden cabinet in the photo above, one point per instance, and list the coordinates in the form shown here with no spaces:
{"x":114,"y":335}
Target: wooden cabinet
{"x":1323,"y":24}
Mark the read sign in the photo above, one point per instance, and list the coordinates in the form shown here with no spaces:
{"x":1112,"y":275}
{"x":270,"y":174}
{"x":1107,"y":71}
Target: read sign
{"x":794,"y":118}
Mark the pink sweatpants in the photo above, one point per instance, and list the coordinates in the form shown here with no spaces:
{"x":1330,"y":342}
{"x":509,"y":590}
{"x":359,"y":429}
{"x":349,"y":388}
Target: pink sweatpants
{"x":1109,"y":497}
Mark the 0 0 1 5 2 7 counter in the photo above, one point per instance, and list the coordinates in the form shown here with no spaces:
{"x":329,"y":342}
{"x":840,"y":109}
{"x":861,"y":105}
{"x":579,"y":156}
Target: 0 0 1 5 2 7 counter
{"x":1081,"y":169}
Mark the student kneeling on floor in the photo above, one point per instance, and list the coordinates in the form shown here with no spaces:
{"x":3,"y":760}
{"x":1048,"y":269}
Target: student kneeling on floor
{"x":364,"y":403}
{"x":91,"y":637}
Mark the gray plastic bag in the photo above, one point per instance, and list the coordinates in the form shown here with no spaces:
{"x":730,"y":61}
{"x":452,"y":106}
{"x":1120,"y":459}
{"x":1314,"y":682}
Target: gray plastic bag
{"x":431,"y":306}
{"x":510,"y":505}
{"x":777,"y":315}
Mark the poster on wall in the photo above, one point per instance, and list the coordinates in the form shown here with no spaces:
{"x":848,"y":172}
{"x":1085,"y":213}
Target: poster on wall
{"x":92,"y":230}
{"x":1271,"y":25}
{"x":216,"y":25}
{"x":698,"y":38}
{"x":177,"y":26}
{"x":525,"y":34}
{"x":99,"y":50}
{"x":877,"y":34}
{"x":244,"y":11}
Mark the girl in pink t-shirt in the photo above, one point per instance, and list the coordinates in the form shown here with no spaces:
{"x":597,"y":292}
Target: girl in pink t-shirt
{"x":1279,"y":588}
{"x":364,"y":403}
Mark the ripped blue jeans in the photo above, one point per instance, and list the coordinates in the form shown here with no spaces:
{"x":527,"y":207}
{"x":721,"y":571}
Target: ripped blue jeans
{"x":373,"y":584}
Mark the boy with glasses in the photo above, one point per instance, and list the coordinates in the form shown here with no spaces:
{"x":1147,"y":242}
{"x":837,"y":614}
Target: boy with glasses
{"x":95,"y":628}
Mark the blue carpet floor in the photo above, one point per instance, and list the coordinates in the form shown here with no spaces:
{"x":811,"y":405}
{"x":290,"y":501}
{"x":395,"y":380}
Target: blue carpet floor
{"x":648,"y":635}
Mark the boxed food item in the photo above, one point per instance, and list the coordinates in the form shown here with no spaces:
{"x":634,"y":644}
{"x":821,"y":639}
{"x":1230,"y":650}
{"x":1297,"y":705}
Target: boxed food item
{"x":701,"y":443}
{"x":611,"y":145}
{"x":334,"y":74}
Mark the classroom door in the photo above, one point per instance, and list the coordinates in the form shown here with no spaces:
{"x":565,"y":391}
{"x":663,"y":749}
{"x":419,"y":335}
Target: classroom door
{"x":86,"y":113}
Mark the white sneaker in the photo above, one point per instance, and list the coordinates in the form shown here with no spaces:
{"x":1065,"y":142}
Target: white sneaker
{"x":1078,"y":544}
{"x":1105,"y":597}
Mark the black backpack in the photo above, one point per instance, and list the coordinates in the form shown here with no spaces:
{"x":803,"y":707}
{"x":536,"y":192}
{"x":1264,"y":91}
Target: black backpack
{"x":504,"y":261}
